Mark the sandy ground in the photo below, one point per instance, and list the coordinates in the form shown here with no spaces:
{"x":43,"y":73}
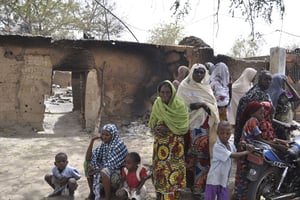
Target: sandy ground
{"x":27,"y":156}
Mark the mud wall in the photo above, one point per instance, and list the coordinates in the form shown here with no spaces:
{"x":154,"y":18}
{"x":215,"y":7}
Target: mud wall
{"x":121,"y":75}
{"x":24,"y":80}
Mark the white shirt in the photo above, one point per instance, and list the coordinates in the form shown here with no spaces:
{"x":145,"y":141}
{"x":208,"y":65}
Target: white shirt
{"x":221,"y":163}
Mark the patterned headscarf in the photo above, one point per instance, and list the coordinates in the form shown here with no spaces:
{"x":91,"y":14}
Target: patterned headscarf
{"x":112,"y":154}
{"x":174,"y":114}
{"x":276,"y":88}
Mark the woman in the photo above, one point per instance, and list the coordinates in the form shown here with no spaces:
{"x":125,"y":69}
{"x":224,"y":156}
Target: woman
{"x":282,"y":101}
{"x":220,"y":83}
{"x":169,"y":122}
{"x":253,"y":119}
{"x":106,"y":161}
{"x":239,"y":88}
{"x":204,"y":118}
{"x":252,"y":116}
{"x":183,"y":71}
{"x":257,"y":93}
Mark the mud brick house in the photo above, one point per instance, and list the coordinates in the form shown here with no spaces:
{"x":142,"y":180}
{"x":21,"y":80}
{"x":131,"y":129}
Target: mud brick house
{"x":118,"y":77}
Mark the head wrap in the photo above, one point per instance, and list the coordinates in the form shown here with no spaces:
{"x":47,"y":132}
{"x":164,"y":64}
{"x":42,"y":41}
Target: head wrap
{"x":210,"y":67}
{"x":219,"y":81}
{"x":262,"y":74}
{"x":251,"y":108}
{"x":193,"y":92}
{"x":239,"y":88}
{"x":112,"y":154}
{"x":276,"y":88}
{"x":174,"y":114}
{"x":183,"y":71}
{"x":220,"y":74}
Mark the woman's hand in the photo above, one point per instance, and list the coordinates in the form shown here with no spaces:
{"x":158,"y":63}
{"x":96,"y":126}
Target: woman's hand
{"x":92,"y":171}
{"x":161,"y":130}
{"x":196,"y":106}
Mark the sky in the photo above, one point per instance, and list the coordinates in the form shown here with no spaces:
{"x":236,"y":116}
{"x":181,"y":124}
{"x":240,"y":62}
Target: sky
{"x":143,"y":15}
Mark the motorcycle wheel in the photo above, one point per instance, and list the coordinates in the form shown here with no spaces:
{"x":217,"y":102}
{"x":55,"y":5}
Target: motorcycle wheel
{"x":265,"y":185}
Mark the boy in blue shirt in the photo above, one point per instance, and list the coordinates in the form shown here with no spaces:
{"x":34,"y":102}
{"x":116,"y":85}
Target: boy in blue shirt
{"x":63,"y":178}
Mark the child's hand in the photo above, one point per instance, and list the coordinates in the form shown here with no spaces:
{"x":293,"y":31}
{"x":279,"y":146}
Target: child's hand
{"x":62,"y":180}
{"x":250,"y":147}
{"x":120,"y":192}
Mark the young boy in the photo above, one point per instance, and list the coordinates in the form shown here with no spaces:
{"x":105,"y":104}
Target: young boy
{"x":219,"y":172}
{"x":63,"y":178}
{"x":133,"y":178}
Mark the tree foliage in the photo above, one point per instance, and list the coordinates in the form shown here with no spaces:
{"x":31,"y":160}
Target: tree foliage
{"x":58,"y":18}
{"x":251,"y":9}
{"x":166,"y":34}
{"x":244,"y":48}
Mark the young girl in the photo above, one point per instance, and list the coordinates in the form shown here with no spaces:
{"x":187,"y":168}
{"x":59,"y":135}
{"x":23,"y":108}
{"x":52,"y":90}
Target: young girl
{"x":133,"y":178}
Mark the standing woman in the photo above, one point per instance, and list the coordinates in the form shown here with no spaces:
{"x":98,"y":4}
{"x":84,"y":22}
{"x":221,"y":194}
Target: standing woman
{"x":204,"y":118}
{"x":282,"y":101}
{"x":220,"y":83}
{"x":169,"y":122}
{"x":239,"y":88}
{"x":257,"y":93}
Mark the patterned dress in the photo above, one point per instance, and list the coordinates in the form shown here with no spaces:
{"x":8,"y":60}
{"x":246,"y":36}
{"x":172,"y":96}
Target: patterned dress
{"x":254,"y":94}
{"x":251,"y":129}
{"x":168,"y":166}
{"x":169,"y":171}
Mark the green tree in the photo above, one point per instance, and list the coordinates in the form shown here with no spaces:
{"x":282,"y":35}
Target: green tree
{"x":97,"y":21}
{"x":166,"y":34}
{"x":243,"y":48}
{"x":58,"y":18}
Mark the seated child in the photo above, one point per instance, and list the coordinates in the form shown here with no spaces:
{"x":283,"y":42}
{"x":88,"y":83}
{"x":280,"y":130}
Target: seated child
{"x":219,"y":172}
{"x":133,"y":178}
{"x":63,"y":178}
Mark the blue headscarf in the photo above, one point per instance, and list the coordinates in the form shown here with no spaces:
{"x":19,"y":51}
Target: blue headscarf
{"x":276,"y":88}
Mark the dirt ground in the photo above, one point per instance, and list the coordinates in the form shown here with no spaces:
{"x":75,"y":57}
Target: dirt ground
{"x":27,"y":156}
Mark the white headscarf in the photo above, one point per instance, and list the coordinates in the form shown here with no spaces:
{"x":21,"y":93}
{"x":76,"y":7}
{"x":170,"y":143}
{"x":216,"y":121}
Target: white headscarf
{"x":219,"y":81}
{"x":192,"y":92}
{"x":239,"y":88}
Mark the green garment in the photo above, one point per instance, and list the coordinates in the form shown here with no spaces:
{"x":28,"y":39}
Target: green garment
{"x":174,"y":114}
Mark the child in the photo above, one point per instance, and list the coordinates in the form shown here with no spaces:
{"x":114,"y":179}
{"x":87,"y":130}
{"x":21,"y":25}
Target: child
{"x":63,"y":178}
{"x":219,"y":172}
{"x":133,"y":178}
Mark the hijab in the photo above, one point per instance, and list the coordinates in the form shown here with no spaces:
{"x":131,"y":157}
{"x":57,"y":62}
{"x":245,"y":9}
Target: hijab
{"x":219,"y":81}
{"x":192,"y":92}
{"x":112,"y":154}
{"x":276,"y":88}
{"x":174,"y":114}
{"x":239,"y":88}
{"x":210,"y":67}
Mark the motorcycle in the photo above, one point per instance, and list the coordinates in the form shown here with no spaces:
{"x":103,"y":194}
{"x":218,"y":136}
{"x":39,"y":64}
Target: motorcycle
{"x":274,"y":174}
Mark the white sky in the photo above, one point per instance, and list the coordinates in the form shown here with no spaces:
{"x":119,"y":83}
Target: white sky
{"x":142,"y":15}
